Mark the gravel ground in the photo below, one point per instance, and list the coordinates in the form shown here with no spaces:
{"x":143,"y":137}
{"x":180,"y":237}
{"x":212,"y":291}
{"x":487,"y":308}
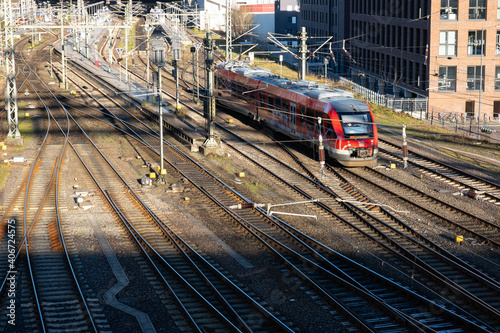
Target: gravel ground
{"x":258,"y":272}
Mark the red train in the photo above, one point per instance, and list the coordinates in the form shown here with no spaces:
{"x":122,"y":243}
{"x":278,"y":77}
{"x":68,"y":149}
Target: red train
{"x":293,"y":108}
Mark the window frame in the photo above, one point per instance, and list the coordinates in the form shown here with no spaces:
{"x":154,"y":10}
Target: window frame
{"x":475,"y":79}
{"x":497,"y":45}
{"x":447,"y":44}
{"x":478,"y":44}
{"x":473,"y":6}
{"x":444,"y":78}
{"x":449,"y":11}
{"x":497,"y":78}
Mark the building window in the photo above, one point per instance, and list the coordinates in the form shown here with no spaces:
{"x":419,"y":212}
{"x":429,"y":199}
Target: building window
{"x":474,"y":81}
{"x":498,"y":10}
{"x":449,"y":9}
{"x":447,"y":43}
{"x":497,"y":46}
{"x":475,"y":44}
{"x":497,"y":78}
{"x":447,"y":78}
{"x":477,"y":9}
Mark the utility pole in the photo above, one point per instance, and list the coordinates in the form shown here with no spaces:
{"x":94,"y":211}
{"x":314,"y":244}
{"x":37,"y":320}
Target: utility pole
{"x":110,"y":48}
{"x":197,"y":46}
{"x":127,"y":20}
{"x":303,"y":53}
{"x":193,"y":51}
{"x":51,"y":67}
{"x":87,"y":53}
{"x":209,"y":106}
{"x":10,"y":65}
{"x":148,"y":30}
{"x":176,"y":57}
{"x":63,"y":53}
{"x":229,"y":32}
{"x":326,"y":61}
{"x":10,"y":73}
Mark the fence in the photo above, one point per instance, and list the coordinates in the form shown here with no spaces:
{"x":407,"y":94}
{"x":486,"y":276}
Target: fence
{"x":467,"y":124}
{"x":462,"y":123}
{"x":416,"y":107}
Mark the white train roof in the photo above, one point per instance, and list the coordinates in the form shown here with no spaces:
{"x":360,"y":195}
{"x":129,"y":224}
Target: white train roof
{"x":311,"y":89}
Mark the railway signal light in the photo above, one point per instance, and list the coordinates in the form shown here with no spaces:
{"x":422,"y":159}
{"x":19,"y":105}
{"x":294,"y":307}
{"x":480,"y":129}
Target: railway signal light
{"x":158,"y":45}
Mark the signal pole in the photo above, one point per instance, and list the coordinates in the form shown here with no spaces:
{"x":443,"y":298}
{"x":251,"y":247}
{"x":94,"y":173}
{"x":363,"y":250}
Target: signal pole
{"x":63,"y":53}
{"x":128,"y":20}
{"x":229,"y":32}
{"x":209,"y":106}
{"x":303,"y":53}
{"x":176,"y":57}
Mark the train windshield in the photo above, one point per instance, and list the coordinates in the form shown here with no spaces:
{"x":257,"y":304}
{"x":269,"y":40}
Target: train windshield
{"x":356,"y":123}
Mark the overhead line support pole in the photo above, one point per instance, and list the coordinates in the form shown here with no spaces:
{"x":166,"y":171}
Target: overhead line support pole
{"x":11,"y":89}
{"x":303,"y":53}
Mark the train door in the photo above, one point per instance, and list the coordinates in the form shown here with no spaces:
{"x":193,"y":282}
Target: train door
{"x":293,"y":116}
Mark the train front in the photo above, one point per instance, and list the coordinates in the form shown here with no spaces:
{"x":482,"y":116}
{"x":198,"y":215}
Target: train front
{"x":356,"y":142}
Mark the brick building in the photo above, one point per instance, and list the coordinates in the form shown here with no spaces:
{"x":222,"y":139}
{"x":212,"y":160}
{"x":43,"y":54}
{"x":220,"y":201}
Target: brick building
{"x":424,"y":48}
{"x":464,"y":58}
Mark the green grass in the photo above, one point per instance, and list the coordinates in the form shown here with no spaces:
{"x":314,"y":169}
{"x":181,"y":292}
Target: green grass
{"x":4,"y":173}
{"x":26,"y":126}
{"x":255,"y":186}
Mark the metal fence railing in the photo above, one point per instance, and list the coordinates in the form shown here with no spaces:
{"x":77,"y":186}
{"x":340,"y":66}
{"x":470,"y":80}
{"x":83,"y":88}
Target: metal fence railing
{"x":416,"y":107}
{"x":486,"y":127}
{"x":465,"y":124}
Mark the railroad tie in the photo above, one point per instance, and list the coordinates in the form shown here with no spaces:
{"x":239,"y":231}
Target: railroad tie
{"x":55,"y":243}
{"x":3,"y":230}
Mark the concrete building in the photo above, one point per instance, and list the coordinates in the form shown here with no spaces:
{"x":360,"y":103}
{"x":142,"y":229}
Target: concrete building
{"x":323,"y":19}
{"x":388,"y":43}
{"x":286,"y":16}
{"x":263,"y":15}
{"x":213,"y":14}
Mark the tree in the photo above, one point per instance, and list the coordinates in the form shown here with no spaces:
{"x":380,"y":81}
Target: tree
{"x":241,"y":20}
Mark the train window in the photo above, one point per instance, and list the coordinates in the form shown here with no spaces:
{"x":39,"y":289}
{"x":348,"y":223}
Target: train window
{"x":270,"y":102}
{"x":262,"y":98}
{"x":302,"y":109}
{"x":221,"y":83}
{"x":356,"y":123}
{"x":285,"y":105}
{"x":239,"y":91}
{"x":277,"y":107}
{"x":330,"y":133}
{"x":310,"y":119}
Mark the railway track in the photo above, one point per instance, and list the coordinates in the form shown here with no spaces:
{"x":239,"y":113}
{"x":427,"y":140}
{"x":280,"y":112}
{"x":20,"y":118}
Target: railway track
{"x":385,"y":229}
{"x":230,"y":309}
{"x":472,"y":186}
{"x":56,"y":296}
{"x":212,"y":191}
{"x":196,"y":175}
{"x":481,"y":229}
{"x":376,"y":314}
{"x":436,"y":265}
